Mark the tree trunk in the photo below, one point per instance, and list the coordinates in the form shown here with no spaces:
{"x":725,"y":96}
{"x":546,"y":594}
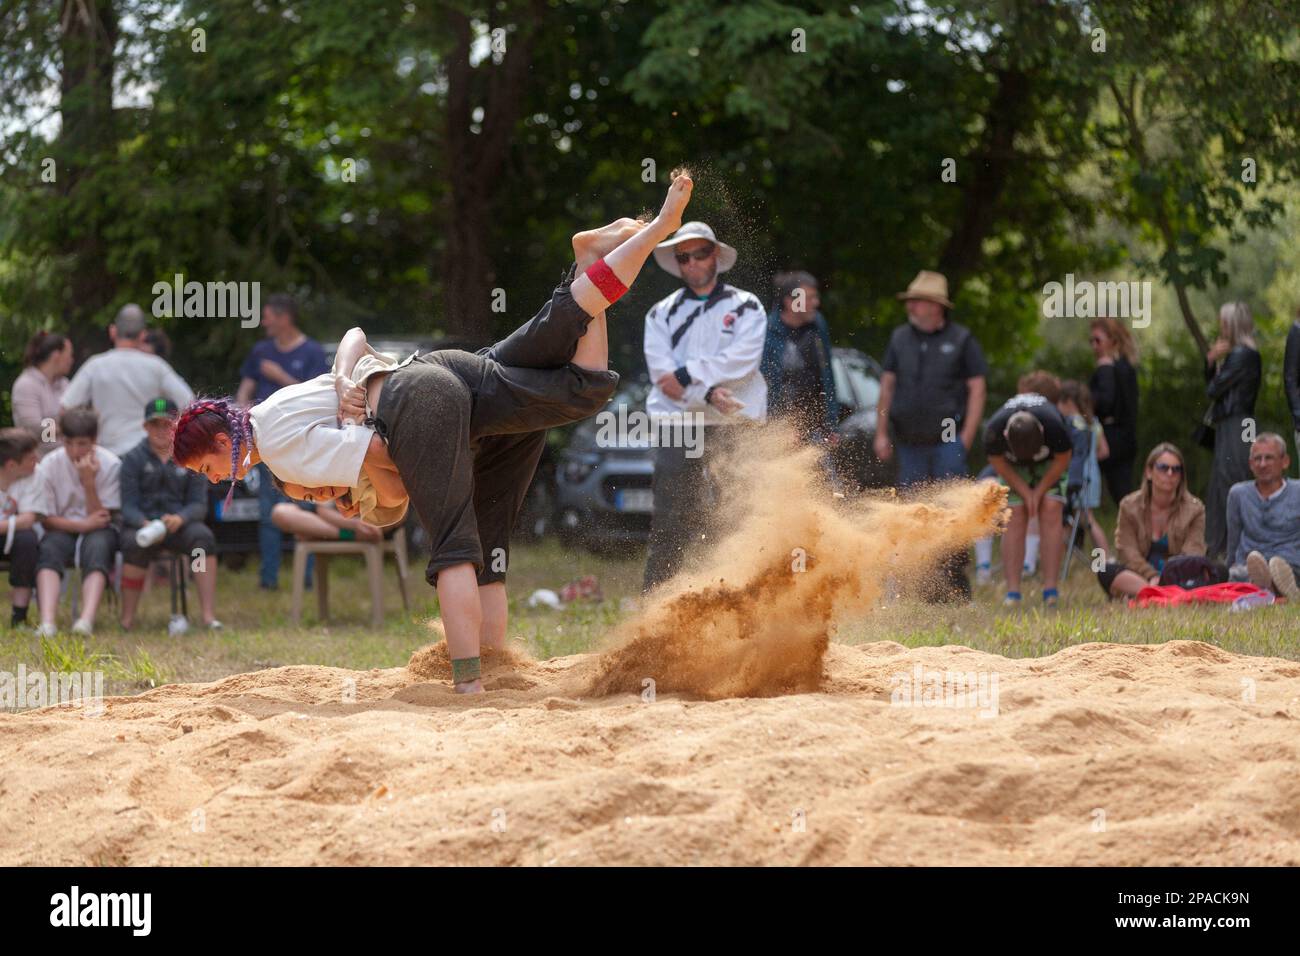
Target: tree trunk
{"x":86,"y":145}
{"x":985,"y":177}
{"x":475,"y":165}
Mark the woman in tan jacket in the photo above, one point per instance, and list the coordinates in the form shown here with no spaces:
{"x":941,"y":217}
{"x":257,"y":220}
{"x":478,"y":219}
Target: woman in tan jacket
{"x":1160,"y":521}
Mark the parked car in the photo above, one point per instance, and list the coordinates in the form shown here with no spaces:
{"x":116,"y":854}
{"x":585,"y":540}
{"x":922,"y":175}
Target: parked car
{"x":603,"y":488}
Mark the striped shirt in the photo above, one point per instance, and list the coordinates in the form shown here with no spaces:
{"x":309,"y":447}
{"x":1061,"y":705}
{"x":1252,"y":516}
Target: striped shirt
{"x":713,"y":341}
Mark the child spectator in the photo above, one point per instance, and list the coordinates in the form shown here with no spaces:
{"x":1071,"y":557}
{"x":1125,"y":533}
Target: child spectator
{"x":79,"y":495}
{"x":1029,"y":447}
{"x":18,"y":516}
{"x":1089,"y":440}
{"x":155,"y":487}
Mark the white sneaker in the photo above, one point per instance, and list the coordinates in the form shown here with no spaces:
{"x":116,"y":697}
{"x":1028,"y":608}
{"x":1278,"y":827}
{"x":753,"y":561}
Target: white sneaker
{"x":47,"y":630}
{"x":83,"y":628}
{"x":1283,"y":577}
{"x":1257,"y":571}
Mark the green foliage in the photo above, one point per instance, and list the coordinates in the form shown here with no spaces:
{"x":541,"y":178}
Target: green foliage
{"x":817,"y":131}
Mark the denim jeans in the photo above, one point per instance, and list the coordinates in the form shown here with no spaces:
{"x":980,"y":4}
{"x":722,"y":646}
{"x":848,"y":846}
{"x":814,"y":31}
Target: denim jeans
{"x":918,"y":463}
{"x":270,"y":540}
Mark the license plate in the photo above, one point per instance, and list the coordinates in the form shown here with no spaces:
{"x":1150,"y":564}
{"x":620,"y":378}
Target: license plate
{"x":634,"y":499}
{"x":239,"y":509}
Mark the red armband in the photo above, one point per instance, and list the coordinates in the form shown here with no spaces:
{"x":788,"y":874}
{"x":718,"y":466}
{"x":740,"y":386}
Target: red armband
{"x":603,"y":278}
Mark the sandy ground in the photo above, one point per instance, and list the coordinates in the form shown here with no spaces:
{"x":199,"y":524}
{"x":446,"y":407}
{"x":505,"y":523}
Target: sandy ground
{"x":1178,"y":753}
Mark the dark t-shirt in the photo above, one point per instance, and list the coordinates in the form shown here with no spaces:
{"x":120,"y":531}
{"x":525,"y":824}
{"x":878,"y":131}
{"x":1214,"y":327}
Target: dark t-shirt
{"x":303,"y":361}
{"x":1056,"y":435}
{"x":931,"y":369}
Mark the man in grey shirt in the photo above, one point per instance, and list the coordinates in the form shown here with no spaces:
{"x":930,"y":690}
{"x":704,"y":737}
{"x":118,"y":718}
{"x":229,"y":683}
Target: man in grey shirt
{"x":118,"y":383}
{"x":1264,"y":521}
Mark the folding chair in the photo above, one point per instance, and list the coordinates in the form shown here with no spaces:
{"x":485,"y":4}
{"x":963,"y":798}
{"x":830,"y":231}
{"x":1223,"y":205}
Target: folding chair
{"x":1074,"y":517}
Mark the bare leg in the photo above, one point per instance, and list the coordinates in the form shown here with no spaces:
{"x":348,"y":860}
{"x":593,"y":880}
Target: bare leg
{"x":131,"y":575}
{"x":492,"y":598}
{"x":462,"y":617}
{"x":1052,"y":533}
{"x":626,"y":260}
{"x":47,"y":594}
{"x":1098,"y":536}
{"x":1127,"y":584}
{"x":20,"y":597}
{"x":92,"y":589}
{"x":1013,"y":547}
{"x":322,"y":525}
{"x":207,"y":584}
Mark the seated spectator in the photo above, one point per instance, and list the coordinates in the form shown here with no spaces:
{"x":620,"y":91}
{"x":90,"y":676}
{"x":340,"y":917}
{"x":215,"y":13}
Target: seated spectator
{"x":40,"y":386}
{"x":1264,"y":521}
{"x":155,"y":487}
{"x":79,"y":498}
{"x":18,"y":517}
{"x":1075,"y":406}
{"x":1158,"y":524}
{"x":1029,"y":447}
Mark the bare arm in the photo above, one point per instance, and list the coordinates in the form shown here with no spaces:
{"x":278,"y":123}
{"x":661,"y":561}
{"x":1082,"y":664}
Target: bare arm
{"x":1060,"y":462}
{"x":351,"y":347}
{"x":381,"y":471}
{"x":247,"y":387}
{"x":976,"y":390}
{"x":1010,"y":476}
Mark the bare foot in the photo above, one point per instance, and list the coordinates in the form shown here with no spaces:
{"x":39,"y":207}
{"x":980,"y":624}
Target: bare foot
{"x":474,"y":686}
{"x":669,"y":219}
{"x":590,"y":245}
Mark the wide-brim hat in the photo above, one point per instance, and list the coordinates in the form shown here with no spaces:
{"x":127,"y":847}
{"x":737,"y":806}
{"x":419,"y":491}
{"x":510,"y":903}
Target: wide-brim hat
{"x":666,"y":258}
{"x":930,"y":286}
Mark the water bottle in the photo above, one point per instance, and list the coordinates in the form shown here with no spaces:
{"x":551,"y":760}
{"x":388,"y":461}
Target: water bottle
{"x":151,"y":534}
{"x":1249,"y":601}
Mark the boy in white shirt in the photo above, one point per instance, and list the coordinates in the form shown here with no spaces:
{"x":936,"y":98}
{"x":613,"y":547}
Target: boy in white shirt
{"x":79,"y":497}
{"x":18,"y":517}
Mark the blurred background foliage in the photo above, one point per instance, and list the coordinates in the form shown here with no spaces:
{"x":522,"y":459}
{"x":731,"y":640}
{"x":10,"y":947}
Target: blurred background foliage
{"x":1108,"y":139}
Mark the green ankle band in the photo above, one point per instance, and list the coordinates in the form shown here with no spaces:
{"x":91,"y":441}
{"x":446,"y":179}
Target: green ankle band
{"x":465,"y":669}
{"x":347,"y":534}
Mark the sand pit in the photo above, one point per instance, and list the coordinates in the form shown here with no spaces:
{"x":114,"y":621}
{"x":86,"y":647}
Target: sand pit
{"x":1100,"y":754}
{"x":720,"y":725}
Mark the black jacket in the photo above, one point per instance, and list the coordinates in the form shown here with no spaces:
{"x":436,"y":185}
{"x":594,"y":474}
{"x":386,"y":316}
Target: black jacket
{"x":151,"y":489}
{"x":1115,"y":401}
{"x":1234,"y":386}
{"x":1291,"y":373}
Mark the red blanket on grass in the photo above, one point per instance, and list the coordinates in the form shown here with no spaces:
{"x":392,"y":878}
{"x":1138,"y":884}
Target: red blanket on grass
{"x":1169,"y":595}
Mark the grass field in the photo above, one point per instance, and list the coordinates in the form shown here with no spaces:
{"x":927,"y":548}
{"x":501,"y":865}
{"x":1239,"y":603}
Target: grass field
{"x":258,"y":634}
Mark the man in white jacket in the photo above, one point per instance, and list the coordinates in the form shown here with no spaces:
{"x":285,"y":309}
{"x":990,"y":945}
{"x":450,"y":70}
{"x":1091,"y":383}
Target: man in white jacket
{"x":703,"y":346}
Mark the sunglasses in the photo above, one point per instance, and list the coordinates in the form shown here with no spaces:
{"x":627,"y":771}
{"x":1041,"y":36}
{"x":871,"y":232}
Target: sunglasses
{"x":699,"y":255}
{"x":1164,"y":469}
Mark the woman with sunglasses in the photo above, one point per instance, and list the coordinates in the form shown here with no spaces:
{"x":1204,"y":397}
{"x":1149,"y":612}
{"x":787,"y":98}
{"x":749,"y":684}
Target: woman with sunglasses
{"x":1158,"y":523}
{"x":1114,"y":389}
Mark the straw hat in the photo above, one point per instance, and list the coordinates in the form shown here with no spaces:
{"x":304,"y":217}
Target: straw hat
{"x":665,"y":255}
{"x":930,"y":286}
